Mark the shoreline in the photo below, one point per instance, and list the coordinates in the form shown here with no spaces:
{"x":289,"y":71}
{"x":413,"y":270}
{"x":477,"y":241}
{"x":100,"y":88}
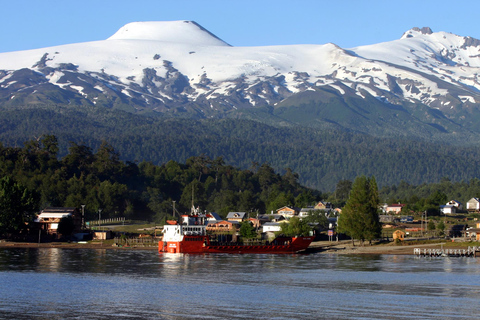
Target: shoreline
{"x":73,"y":245}
{"x":319,"y":247}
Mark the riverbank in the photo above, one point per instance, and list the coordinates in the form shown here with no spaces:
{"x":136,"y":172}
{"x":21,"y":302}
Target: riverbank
{"x":346,"y":247}
{"x":73,"y":245}
{"x":322,"y":247}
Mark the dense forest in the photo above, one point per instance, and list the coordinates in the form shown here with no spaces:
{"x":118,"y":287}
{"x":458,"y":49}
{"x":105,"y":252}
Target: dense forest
{"x":100,"y":180}
{"x":320,"y":157}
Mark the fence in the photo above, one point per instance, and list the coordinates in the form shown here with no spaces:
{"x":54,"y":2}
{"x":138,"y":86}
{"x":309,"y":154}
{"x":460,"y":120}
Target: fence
{"x":106,"y":221}
{"x":136,"y":242}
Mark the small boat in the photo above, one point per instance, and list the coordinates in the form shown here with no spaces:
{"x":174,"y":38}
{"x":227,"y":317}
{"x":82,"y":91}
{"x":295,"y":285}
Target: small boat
{"x":191,"y":237}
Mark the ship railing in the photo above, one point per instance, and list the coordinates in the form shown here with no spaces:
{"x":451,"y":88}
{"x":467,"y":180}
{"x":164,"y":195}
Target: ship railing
{"x":244,"y":243}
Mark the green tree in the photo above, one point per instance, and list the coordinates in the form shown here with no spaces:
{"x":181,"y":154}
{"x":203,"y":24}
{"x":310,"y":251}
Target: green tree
{"x":359,"y":218}
{"x":316,"y":217}
{"x":295,"y":227}
{"x":373,"y":227}
{"x":17,"y":206}
{"x":247,"y":230}
{"x":441,"y":227}
{"x":66,"y":226}
{"x":342,"y":190}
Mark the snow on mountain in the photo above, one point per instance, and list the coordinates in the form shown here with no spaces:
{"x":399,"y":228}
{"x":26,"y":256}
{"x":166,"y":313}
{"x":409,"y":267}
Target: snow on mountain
{"x":164,"y":65}
{"x":188,"y":32}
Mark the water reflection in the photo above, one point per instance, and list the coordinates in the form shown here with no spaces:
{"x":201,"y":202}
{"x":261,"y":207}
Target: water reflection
{"x":104,"y":284}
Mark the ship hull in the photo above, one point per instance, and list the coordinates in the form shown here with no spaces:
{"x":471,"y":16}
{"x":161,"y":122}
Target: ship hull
{"x":201,"y":244}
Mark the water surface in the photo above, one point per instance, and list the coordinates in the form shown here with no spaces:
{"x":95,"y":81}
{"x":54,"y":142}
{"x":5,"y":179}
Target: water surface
{"x":53,"y":283}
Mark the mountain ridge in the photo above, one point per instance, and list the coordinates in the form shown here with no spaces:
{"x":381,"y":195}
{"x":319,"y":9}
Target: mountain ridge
{"x":179,"y":69}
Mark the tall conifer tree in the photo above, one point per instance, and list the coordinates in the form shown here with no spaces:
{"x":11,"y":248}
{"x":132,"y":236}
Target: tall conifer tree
{"x":360,"y":219}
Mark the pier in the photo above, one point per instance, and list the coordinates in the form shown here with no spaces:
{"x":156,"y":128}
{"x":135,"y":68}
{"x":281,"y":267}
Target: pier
{"x":469,"y":252}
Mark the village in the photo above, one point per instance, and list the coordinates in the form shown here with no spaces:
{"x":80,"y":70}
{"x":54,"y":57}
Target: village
{"x":456,"y":222}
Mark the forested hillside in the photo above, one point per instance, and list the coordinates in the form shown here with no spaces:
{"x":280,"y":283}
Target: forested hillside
{"x":100,"y":180}
{"x":320,"y":157}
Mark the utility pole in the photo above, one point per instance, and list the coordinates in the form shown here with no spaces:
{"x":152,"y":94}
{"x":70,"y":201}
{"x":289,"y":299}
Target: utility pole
{"x":83,"y":216}
{"x":99,"y":218}
{"x":173,"y":214}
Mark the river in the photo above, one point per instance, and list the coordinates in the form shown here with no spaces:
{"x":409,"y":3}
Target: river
{"x":53,"y":283}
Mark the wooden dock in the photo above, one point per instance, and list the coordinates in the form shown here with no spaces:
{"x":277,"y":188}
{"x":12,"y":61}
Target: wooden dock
{"x":469,"y":252}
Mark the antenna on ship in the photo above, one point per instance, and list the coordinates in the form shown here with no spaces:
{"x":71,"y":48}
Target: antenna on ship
{"x":193,"y":194}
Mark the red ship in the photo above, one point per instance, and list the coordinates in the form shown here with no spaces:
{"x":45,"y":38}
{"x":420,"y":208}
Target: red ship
{"x":191,"y":237}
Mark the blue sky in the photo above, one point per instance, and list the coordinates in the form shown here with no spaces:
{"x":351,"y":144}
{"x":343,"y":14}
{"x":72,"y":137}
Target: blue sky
{"x":31,"y":24}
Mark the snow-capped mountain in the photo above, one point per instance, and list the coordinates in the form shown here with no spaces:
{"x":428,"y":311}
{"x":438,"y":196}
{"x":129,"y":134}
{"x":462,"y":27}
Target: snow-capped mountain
{"x":179,"y":68}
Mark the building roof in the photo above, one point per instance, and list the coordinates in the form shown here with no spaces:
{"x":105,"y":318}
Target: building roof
{"x":396,"y":205}
{"x":272,"y":224}
{"x":289,"y":207}
{"x":55,"y":213}
{"x":236,"y":215}
{"x":214,"y":215}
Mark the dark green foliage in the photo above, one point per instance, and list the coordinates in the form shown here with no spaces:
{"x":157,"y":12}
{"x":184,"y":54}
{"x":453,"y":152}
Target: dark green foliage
{"x":17,"y":207}
{"x":359,"y":218}
{"x":295,"y":227}
{"x":428,"y":197}
{"x":247,"y":230}
{"x":320,"y":158}
{"x":100,"y":180}
{"x":317,"y":218}
{"x":66,"y":226}
{"x":440,"y":227}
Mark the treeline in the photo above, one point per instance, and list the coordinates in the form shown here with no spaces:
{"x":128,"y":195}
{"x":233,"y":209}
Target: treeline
{"x":101,"y":181}
{"x":320,"y":157}
{"x":428,"y":197}
{"x":416,"y":198}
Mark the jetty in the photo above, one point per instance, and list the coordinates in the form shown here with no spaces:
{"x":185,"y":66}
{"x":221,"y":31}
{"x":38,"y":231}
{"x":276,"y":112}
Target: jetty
{"x":469,"y":252}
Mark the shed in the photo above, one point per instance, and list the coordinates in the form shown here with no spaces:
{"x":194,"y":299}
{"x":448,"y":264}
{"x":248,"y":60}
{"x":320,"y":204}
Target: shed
{"x":398,"y":234}
{"x":473,"y":205}
{"x":50,"y":217}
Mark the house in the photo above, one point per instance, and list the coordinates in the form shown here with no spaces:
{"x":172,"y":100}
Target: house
{"x":474,"y":233}
{"x":448,"y":209}
{"x":394,"y":208}
{"x":256,"y":223}
{"x":473,"y":205}
{"x":398,"y":234}
{"x":213,"y":216}
{"x":384,"y":218}
{"x":236,"y":216}
{"x":288,"y":212}
{"x":263,"y":218}
{"x":304,"y":212}
{"x":456,"y":204}
{"x":276,"y":217}
{"x":323,"y":205}
{"x":406,"y":219}
{"x":50,"y":217}
{"x":222,"y":226}
{"x":269,"y":228}
{"x":102,"y":235}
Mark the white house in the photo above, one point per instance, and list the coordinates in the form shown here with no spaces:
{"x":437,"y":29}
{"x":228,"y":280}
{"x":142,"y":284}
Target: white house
{"x":448,"y":209}
{"x":473,"y":204}
{"x":269,"y":228}
{"x":455,"y":203}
